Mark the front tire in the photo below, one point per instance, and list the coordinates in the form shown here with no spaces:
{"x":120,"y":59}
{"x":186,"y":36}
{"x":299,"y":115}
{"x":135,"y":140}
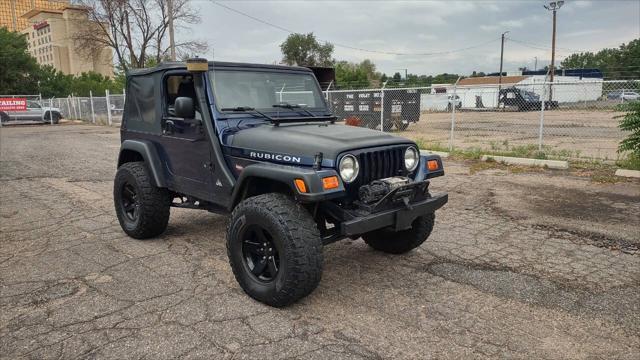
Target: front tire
{"x":400,"y":242}
{"x":142,"y":208}
{"x":274,"y":249}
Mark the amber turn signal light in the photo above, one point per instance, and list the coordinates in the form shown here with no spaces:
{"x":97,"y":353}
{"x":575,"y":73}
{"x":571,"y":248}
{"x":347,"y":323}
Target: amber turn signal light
{"x":432,"y":165}
{"x":330,"y":182}
{"x":300,"y":185}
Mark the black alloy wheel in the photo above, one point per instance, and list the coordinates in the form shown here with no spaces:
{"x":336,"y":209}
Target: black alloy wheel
{"x":259,"y":253}
{"x":130,"y":202}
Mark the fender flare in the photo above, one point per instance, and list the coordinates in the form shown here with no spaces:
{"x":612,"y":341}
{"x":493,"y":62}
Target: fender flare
{"x":287,"y":175}
{"x":149,"y":155}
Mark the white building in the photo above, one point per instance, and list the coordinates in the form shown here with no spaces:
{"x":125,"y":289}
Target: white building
{"x":482,"y":92}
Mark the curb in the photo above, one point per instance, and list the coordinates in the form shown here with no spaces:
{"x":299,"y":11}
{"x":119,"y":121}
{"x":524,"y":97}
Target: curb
{"x":551,"y":164}
{"x":440,"y":153}
{"x":628,"y":173}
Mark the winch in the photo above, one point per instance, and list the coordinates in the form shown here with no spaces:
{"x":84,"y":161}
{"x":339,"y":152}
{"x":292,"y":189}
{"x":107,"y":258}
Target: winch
{"x":377,"y":189}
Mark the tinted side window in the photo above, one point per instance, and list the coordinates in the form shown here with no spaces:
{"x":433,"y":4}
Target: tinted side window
{"x":140,"y":109}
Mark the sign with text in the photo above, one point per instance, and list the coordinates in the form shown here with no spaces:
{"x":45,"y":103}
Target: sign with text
{"x":13,"y":104}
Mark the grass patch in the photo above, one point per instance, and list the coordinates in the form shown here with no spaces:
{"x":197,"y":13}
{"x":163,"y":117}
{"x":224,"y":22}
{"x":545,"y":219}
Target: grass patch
{"x":597,"y":171}
{"x":631,"y":162}
{"x":503,"y":148}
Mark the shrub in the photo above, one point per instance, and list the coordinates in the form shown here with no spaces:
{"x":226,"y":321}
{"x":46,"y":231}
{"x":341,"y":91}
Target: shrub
{"x":631,"y":122}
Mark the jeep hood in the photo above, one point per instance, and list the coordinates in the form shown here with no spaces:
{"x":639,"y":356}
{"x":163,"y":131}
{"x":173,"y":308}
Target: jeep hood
{"x":309,"y":139}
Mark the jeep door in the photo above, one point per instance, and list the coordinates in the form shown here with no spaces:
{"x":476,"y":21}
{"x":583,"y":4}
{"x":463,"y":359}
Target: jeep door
{"x":184,"y":141}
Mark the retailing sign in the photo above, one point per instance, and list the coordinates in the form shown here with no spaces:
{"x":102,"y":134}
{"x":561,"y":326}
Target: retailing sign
{"x":13,"y":104}
{"x":40,"y":25}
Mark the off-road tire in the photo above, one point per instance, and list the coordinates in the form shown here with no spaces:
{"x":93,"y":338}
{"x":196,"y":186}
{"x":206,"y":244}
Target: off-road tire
{"x":400,"y":242}
{"x":154,"y":204}
{"x":296,"y":238}
{"x":4,"y":118}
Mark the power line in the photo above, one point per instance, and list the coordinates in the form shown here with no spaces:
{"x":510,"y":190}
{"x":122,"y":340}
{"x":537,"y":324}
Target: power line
{"x":353,"y":47}
{"x":543,"y":47}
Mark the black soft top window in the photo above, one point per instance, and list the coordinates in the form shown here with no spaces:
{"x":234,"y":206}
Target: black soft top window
{"x":140,"y":107}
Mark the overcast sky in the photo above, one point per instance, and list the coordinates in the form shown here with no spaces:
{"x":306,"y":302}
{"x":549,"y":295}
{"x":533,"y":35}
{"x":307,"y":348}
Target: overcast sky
{"x":414,"y":27}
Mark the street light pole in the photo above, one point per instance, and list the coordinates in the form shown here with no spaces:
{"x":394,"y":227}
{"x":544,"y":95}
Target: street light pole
{"x":172,"y":44}
{"x":501,"y":61}
{"x":553,"y":6}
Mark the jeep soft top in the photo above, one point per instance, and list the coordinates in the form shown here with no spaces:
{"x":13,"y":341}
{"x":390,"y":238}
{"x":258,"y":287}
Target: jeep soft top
{"x":259,"y":142}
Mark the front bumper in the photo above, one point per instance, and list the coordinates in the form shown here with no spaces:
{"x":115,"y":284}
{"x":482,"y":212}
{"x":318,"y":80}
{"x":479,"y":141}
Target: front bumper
{"x":399,"y":218}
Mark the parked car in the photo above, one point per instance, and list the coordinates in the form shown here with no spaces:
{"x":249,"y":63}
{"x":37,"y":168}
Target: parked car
{"x":624,"y":95}
{"x":523,"y":100}
{"x":34,"y":112}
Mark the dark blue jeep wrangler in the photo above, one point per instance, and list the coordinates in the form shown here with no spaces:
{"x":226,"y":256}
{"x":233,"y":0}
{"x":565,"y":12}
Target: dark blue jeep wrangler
{"x":258,"y":142}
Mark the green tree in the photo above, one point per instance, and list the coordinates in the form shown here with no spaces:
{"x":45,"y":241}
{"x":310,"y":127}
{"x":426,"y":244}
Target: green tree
{"x":620,"y":63}
{"x":17,"y":66}
{"x":305,"y":50}
{"x":356,"y":75}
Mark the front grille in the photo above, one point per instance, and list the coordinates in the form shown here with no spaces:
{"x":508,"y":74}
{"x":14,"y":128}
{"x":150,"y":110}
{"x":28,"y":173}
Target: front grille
{"x":380,"y":164}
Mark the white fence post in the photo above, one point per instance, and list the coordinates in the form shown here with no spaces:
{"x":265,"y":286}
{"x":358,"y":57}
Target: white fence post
{"x":79,"y":102}
{"x":93,"y":114}
{"x":542,"y":106}
{"x":382,"y":106}
{"x":69,"y":105}
{"x":50,"y":113}
{"x":106,"y":92}
{"x":453,"y":113}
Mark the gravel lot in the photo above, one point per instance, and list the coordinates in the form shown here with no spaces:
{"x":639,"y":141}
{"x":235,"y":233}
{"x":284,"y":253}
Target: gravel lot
{"x":578,"y":133}
{"x":527,"y":265}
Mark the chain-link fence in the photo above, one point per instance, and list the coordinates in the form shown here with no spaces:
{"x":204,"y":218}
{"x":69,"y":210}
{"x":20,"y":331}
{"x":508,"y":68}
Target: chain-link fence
{"x":17,"y":109}
{"x":102,"y":110}
{"x":569,"y":118}
{"x":524,"y":116}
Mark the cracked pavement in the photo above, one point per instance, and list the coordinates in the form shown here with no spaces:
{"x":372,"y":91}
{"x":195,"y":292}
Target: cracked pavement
{"x":540,"y":264}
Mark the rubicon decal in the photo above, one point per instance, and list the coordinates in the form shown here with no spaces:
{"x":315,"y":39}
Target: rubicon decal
{"x":277,"y":157}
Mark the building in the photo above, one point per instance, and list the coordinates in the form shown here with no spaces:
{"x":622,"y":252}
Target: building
{"x":50,"y":34}
{"x":11,"y":11}
{"x":474,"y":92}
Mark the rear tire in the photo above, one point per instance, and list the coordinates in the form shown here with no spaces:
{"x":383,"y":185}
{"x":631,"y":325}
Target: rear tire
{"x":142,"y":208}
{"x":274,"y":249}
{"x":400,"y":242}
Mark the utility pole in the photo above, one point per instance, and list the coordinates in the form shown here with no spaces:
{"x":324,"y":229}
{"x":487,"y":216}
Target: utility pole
{"x":172,"y":44}
{"x":535,"y":66}
{"x":501,"y":61}
{"x":405,"y":73}
{"x":553,"y":7}
{"x":132,"y":56}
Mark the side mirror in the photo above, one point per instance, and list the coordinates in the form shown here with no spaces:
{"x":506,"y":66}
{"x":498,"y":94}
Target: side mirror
{"x":184,"y":108}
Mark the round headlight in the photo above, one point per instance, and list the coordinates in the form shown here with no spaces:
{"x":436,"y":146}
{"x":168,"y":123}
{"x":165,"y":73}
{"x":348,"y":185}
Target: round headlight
{"x":411,"y":158}
{"x":348,"y":168}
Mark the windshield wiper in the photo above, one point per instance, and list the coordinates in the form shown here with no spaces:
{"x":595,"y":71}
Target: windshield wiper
{"x":248,"y":110}
{"x":286,"y":105}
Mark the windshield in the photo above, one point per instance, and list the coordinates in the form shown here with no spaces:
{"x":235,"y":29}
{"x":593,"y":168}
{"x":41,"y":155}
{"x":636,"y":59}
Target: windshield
{"x":529,"y":95}
{"x":262,"y":90}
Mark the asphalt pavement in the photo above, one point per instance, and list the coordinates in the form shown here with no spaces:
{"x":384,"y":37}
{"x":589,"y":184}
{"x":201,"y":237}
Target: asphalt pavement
{"x":540,"y":264}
